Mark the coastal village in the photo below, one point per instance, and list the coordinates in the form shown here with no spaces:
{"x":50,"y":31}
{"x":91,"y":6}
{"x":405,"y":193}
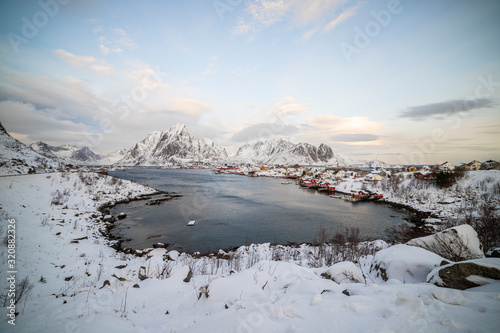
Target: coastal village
{"x":326,"y":179}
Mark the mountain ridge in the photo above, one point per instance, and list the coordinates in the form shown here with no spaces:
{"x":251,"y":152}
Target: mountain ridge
{"x":172,"y":146}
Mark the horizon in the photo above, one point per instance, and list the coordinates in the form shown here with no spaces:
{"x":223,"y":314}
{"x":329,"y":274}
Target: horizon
{"x":397,"y":81}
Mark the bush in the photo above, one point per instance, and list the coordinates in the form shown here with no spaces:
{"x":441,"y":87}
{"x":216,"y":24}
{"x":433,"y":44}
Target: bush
{"x":444,"y":179}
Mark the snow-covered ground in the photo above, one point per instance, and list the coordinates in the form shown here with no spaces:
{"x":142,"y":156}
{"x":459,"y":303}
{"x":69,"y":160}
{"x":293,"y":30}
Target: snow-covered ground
{"x":80,"y":284}
{"x":474,"y":189}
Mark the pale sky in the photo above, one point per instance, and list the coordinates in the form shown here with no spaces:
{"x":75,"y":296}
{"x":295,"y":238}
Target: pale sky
{"x":403,"y":81}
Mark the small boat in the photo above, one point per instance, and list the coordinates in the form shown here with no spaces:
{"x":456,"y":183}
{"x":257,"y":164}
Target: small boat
{"x":191,"y":223}
{"x":284,"y":183}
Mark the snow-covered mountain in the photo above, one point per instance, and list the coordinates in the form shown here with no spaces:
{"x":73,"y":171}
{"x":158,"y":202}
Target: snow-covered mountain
{"x":281,"y":151}
{"x":113,"y":157}
{"x":377,"y":164}
{"x":175,"y":145}
{"x":18,"y":158}
{"x":75,"y":155}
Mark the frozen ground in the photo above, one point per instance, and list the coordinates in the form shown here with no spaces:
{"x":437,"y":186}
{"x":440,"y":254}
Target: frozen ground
{"x":474,"y":189}
{"x":80,"y":284}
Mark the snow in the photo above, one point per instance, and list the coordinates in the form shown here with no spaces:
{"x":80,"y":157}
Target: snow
{"x":280,"y":151}
{"x":456,"y":242}
{"x":405,"y":263}
{"x":468,"y":193}
{"x":433,"y":276}
{"x":345,"y":271}
{"x":17,"y":158}
{"x":245,"y":294}
{"x":174,"y":145}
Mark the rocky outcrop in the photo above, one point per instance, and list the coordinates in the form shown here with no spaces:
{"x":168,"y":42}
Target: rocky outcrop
{"x":455,"y":244}
{"x":407,"y":264}
{"x":466,"y":274}
{"x":344,"y":272}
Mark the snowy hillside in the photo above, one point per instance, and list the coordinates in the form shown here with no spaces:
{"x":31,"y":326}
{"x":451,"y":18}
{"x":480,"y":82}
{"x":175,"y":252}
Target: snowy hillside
{"x":281,"y":151}
{"x":17,"y":158}
{"x":80,"y":284}
{"x":75,"y":155}
{"x":175,"y":145}
{"x":113,"y":157}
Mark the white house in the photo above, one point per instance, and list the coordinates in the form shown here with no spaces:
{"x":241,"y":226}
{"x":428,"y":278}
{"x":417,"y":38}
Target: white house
{"x":446,"y":166}
{"x":373,"y":177}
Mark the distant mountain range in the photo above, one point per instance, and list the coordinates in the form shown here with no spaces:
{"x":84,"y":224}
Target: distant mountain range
{"x":281,"y":151}
{"x":172,"y":146}
{"x":75,"y":155}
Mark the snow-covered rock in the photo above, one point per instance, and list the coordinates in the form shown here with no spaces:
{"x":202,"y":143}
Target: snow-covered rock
{"x":466,"y":274}
{"x":172,"y":146}
{"x":344,"y":272}
{"x":456,"y":244}
{"x":407,"y":264}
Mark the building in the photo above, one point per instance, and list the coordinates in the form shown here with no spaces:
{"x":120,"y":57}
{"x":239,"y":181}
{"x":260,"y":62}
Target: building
{"x":412,"y":168}
{"x":490,"y":165}
{"x":423,"y":175}
{"x":373,"y":177}
{"x":446,"y":166}
{"x":474,"y":165}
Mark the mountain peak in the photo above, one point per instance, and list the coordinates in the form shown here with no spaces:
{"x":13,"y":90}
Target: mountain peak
{"x":172,"y":146}
{"x":178,"y":129}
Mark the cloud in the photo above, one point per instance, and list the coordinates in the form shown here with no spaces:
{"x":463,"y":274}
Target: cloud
{"x":263,"y":13}
{"x":24,"y":120}
{"x":354,"y":137}
{"x":345,"y":125}
{"x":190,"y":106}
{"x":421,"y":112}
{"x":288,"y":106}
{"x":212,"y":66}
{"x":242,"y":27}
{"x":263,"y":131}
{"x":98,"y":66}
{"x":341,"y":18}
{"x":111,"y":40}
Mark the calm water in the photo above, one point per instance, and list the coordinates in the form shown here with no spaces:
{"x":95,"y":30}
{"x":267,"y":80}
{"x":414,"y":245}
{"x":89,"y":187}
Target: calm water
{"x":233,"y":210}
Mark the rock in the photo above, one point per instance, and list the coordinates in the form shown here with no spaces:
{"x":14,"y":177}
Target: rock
{"x":407,"y":264}
{"x":344,"y":272}
{"x":455,"y":244}
{"x":121,"y":216}
{"x":107,"y":218}
{"x":466,"y":274}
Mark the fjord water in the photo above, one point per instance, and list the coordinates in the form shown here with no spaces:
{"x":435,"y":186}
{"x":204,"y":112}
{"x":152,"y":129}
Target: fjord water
{"x":232,"y":210}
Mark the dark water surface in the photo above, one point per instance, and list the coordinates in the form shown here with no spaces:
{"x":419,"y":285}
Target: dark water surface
{"x":233,"y":210}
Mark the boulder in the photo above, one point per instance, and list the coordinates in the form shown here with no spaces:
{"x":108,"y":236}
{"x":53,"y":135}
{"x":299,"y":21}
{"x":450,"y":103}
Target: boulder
{"x":466,"y":274}
{"x":344,"y":272}
{"x":455,"y":244}
{"x":408,"y":264}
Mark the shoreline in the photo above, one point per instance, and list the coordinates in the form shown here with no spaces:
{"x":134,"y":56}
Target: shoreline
{"x":119,"y":240}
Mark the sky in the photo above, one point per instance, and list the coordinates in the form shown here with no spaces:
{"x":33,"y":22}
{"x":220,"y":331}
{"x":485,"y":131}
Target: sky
{"x":406,"y":82}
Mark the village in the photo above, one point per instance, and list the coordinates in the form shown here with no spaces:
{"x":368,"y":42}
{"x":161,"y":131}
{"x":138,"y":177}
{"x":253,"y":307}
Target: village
{"x":326,"y":179}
